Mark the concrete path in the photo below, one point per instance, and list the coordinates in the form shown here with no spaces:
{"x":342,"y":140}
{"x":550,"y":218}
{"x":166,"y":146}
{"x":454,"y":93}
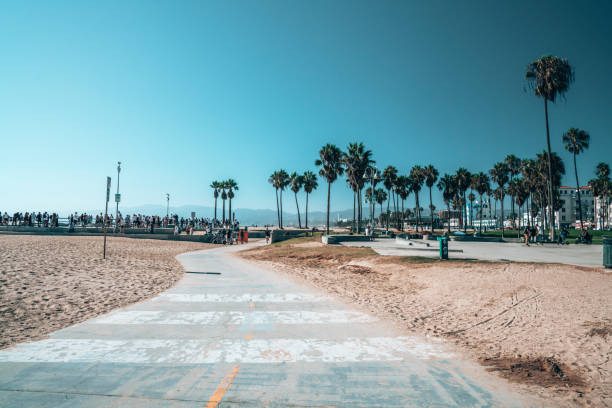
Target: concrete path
{"x":581,"y":255}
{"x":233,"y":334}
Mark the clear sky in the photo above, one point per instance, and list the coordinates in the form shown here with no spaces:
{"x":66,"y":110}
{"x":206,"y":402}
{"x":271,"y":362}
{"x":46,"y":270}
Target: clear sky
{"x":187,"y":92}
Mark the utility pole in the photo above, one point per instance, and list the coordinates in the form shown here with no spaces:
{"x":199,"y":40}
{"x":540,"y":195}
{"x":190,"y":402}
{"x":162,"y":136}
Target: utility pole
{"x":108,"y":184}
{"x":117,"y":196}
{"x":167,"y":205}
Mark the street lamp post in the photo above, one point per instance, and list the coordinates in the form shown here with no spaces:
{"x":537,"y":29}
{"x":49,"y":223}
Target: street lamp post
{"x":167,"y":206}
{"x":371,"y":174}
{"x":117,"y":196}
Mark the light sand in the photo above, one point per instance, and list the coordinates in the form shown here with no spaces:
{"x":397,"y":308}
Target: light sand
{"x":545,"y":327}
{"x":50,"y":282}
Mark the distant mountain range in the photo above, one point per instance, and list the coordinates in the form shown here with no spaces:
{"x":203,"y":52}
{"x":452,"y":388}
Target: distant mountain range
{"x":245,"y":216}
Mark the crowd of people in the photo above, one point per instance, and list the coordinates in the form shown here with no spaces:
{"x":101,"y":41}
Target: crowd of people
{"x":148,"y":222}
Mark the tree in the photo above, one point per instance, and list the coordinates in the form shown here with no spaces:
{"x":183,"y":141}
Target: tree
{"x":447,"y":186}
{"x":431,"y":176}
{"x":389,"y":175}
{"x":283,"y":183}
{"x":356,"y":160}
{"x":223,"y":198}
{"x":296,"y":181}
{"x":515,"y":187}
{"x":549,"y":77}
{"x":463,"y":179}
{"x":231,"y":186}
{"x":216,"y":186}
{"x":417,"y":178}
{"x":402,"y":190}
{"x":576,"y":141}
{"x":274,"y":179}
{"x":380,"y":195}
{"x":514,"y":168}
{"x":602,"y":189}
{"x":482,"y":185}
{"x":499,"y":174}
{"x":310,"y":183}
{"x":330,"y":161}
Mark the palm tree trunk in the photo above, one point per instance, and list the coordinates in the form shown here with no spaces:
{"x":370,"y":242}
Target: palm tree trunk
{"x":359,"y":211}
{"x":215,"y":208}
{"x":281,"y":209}
{"x":550,"y":180}
{"x":431,"y":210}
{"x":230,"y":211}
{"x":328,"y":198}
{"x":298,"y":210}
{"x":502,"y":216}
{"x":354,"y":207}
{"x":223,"y":211}
{"x":277,"y":210}
{"x":403,"y":213}
{"x":480,"y":226}
{"x":578,"y":194}
{"x":306,"y":210}
{"x":449,"y":216}
{"x":388,"y":202}
{"x":464,"y":212}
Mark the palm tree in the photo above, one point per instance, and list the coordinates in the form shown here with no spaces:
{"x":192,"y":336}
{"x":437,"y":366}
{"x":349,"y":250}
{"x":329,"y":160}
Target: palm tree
{"x":431,"y":176}
{"x":356,"y":160}
{"x":216,"y":186}
{"x":417,"y":178}
{"x":402,"y":190}
{"x":499,"y":174}
{"x":310,"y":183}
{"x":223,"y":198}
{"x":330,"y":160}
{"x":515,"y":187}
{"x":296,"y":181}
{"x":549,"y":77}
{"x":380,"y":195}
{"x":462,"y":181}
{"x":482,"y":185}
{"x":283,"y":182}
{"x":274,"y":180}
{"x":576,"y":141}
{"x":389,"y":175}
{"x":231,"y":186}
{"x":447,"y":186}
{"x":471,"y":197}
{"x":514,"y":168}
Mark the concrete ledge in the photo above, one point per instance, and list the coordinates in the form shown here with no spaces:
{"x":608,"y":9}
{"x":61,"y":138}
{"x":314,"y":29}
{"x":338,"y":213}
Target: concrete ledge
{"x":336,"y":239}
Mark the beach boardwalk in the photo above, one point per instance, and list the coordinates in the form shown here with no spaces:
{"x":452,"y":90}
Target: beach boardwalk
{"x":234,"y":334}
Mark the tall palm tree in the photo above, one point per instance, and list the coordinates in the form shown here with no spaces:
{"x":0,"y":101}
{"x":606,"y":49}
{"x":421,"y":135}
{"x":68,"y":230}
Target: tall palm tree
{"x":310,"y":183}
{"x":223,"y":198}
{"x":274,"y":179}
{"x":549,"y":77}
{"x":482,"y":185}
{"x":462,"y":181}
{"x":216,"y":186}
{"x":602,"y":189}
{"x":576,"y":141}
{"x":515,"y":188}
{"x":330,"y":161}
{"x":231,"y":186}
{"x":380,"y":195}
{"x":356,"y":160}
{"x":402,"y":190}
{"x":389,"y":175}
{"x":499,"y":174}
{"x":283,"y":182}
{"x":447,"y":186}
{"x":296,"y":181}
{"x":417,"y":178}
{"x":431,"y":176}
{"x":514,"y":168}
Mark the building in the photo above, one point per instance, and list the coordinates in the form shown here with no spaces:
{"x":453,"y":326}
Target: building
{"x":568,"y":215}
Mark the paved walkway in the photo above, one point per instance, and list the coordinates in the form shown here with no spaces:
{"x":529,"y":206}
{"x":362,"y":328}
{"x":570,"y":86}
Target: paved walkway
{"x":582,"y":255}
{"x":233,"y":334}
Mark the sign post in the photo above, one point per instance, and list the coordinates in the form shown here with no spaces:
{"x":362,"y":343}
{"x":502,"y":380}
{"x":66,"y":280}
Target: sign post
{"x":108,"y":184}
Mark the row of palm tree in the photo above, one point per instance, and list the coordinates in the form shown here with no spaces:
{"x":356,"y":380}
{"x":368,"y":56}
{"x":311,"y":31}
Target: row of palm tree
{"x":280,"y":180}
{"x":602,"y":187}
{"x":224,"y":189}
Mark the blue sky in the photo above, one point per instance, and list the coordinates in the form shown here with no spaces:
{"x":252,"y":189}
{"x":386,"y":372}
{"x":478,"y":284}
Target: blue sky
{"x":187,"y":92}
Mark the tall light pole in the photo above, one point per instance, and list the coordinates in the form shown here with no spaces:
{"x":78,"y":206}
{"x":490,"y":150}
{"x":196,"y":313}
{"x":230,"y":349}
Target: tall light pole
{"x":371,"y":174}
{"x":167,"y":205}
{"x":117,"y":196}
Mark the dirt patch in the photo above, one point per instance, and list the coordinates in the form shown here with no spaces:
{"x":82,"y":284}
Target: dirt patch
{"x":601,"y":329}
{"x":544,"y":372}
{"x":358,"y":269}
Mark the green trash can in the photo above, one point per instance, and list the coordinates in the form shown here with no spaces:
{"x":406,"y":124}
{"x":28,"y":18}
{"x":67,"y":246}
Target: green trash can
{"x":607,"y":251}
{"x":443,"y":247}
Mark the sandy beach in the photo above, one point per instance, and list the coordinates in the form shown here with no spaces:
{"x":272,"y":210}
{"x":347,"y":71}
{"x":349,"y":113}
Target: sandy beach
{"x":50,"y":282}
{"x":546,"y":328}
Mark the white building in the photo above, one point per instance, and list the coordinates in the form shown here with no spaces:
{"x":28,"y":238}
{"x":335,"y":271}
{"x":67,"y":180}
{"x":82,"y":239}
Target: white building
{"x":600,"y":219}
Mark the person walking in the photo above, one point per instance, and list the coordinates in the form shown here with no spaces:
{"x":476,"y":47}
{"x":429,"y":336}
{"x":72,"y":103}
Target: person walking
{"x":526,"y":234}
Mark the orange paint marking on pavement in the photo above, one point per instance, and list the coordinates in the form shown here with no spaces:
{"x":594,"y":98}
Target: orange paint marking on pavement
{"x":216,"y":398}
{"x":249,"y":336}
